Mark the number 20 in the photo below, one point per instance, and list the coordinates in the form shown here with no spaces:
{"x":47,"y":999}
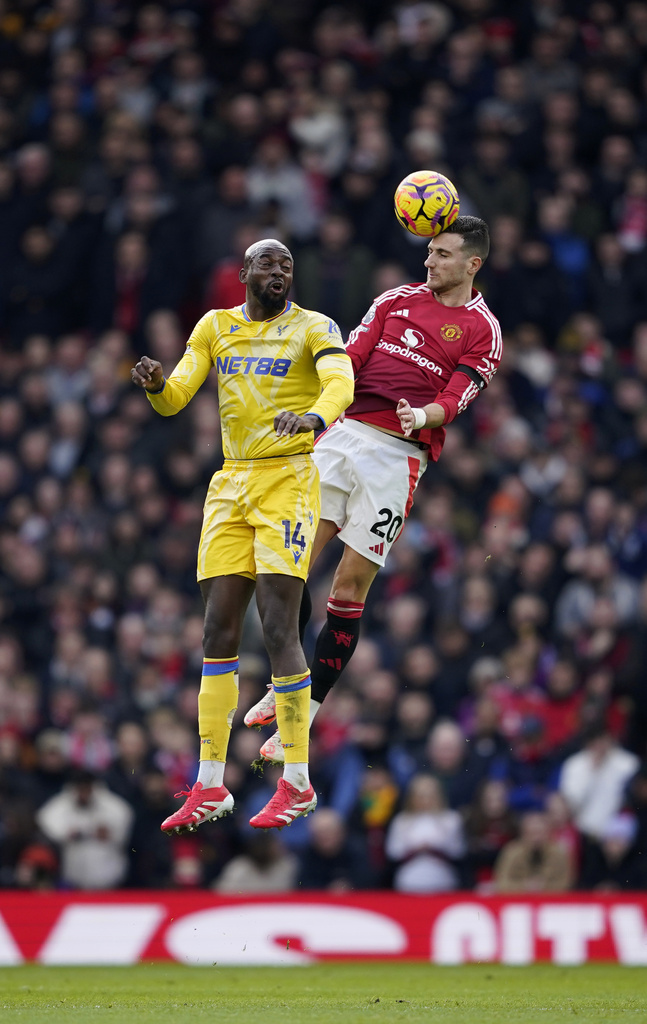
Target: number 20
{"x":394,"y":521}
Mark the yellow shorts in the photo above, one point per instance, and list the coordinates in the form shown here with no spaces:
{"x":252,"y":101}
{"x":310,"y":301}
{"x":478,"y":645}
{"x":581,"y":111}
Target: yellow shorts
{"x":260,"y":516}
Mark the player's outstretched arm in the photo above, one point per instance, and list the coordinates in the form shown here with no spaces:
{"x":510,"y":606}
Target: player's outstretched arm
{"x":168,"y":395}
{"x":286,"y":424}
{"x":148,"y":374}
{"x":432,"y":415}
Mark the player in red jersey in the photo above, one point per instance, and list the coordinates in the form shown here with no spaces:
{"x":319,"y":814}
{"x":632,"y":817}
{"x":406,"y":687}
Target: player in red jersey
{"x":421,"y":354}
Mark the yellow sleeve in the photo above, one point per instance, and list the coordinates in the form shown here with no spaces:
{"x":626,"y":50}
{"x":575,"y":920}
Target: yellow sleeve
{"x":189,"y":374}
{"x":334,"y":369}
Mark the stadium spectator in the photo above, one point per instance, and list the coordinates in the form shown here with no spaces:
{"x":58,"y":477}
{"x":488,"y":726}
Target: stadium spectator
{"x":534,"y":862}
{"x":224,"y":288}
{"x":274,"y":178}
{"x":613,"y":863}
{"x":494,"y":186}
{"x":563,"y":831}
{"x":592,"y":781}
{"x":333,"y":860}
{"x":489,"y":826}
{"x":220,"y":218}
{"x":335,"y":274}
{"x":263,"y":867}
{"x":457,"y":767}
{"x":91,"y":827}
{"x":425,"y":840}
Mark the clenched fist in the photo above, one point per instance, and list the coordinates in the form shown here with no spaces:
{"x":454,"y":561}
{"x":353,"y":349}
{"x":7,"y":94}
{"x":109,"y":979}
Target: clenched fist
{"x":148,"y":374}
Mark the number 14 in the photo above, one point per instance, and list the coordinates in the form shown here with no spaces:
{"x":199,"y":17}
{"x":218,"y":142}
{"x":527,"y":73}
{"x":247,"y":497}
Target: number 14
{"x":296,"y":541}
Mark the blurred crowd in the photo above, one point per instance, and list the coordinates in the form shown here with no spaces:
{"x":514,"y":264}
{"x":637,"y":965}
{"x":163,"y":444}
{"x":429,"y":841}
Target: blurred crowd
{"x":491,"y":729}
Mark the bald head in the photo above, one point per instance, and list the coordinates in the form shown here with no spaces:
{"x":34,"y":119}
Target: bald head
{"x":267,"y":275}
{"x":266,"y":245}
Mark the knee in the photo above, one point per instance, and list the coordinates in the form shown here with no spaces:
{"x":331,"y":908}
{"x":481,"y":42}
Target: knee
{"x":345,"y":592}
{"x":349,"y":587}
{"x":353,"y":578}
{"x":277,"y":636}
{"x":219,"y":639}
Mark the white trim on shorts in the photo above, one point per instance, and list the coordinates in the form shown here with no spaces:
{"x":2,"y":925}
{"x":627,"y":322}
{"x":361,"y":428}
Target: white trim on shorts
{"x":368,"y":479}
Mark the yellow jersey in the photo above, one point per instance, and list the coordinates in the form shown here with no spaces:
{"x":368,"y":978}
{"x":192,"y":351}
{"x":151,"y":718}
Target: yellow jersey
{"x":294,"y":361}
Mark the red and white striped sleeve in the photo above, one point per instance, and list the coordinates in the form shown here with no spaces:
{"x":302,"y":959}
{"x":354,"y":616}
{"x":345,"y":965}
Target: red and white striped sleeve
{"x":480,"y":361}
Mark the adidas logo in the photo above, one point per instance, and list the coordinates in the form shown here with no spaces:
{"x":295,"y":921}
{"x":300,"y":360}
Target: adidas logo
{"x":378,"y":548}
{"x":291,"y":813}
{"x":204,"y":808}
{"x":332,"y":663}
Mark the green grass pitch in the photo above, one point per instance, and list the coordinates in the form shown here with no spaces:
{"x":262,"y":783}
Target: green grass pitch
{"x":324,"y":994}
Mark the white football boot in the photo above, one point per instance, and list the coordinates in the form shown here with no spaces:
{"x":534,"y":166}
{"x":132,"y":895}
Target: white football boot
{"x":263,"y":713}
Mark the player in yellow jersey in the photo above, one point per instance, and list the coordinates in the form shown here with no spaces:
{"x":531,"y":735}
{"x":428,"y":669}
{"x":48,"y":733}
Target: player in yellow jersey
{"x":283,"y":372}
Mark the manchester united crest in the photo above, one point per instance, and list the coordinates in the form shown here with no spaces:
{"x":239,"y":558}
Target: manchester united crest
{"x":451,"y":332}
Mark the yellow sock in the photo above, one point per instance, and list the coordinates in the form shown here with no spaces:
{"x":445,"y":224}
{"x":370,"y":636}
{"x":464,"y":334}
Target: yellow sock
{"x":217,"y":705}
{"x":293,"y":714}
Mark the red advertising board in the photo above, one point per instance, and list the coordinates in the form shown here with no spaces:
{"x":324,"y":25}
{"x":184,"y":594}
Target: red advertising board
{"x":201,"y":928}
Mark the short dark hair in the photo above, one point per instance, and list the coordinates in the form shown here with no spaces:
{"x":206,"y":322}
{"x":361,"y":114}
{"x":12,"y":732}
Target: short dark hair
{"x":475,"y":235}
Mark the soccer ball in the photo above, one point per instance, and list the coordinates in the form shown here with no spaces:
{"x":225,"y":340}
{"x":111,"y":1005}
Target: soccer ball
{"x":426,"y":203}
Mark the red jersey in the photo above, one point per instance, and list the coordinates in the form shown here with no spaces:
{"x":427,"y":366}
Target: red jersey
{"x":411,"y":346}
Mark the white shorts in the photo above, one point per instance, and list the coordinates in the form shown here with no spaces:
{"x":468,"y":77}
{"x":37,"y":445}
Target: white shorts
{"x":367,"y":484}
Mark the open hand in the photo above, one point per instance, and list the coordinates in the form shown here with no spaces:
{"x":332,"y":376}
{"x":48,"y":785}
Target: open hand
{"x":405,"y":413}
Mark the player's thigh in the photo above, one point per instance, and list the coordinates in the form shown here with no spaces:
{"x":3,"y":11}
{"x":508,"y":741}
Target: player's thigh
{"x":325,"y":532}
{"x":381,"y":499}
{"x":333,"y":457}
{"x":283,"y":508}
{"x":226,"y":545}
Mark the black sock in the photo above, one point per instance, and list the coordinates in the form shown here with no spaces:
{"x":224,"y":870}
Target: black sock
{"x":335,"y":646}
{"x":305,"y":611}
